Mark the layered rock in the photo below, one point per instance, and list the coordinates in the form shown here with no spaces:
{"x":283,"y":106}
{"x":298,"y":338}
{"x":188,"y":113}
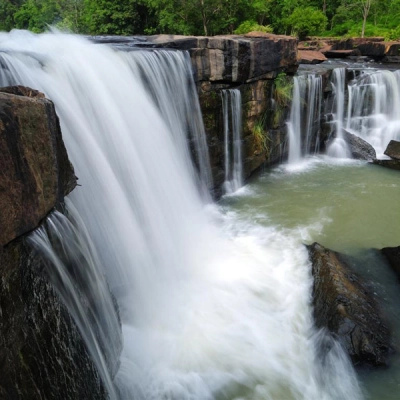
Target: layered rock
{"x":234,"y":58}
{"x":36,"y":172}
{"x":346,"y":309}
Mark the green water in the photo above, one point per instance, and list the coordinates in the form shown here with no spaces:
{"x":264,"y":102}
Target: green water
{"x":351,"y":207}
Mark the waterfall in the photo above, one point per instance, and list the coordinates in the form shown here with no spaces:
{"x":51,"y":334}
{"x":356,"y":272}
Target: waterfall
{"x":74,"y":270}
{"x":338,"y":147}
{"x":212,"y":307}
{"x":305,"y":114}
{"x":232,"y":115}
{"x":373,"y":108}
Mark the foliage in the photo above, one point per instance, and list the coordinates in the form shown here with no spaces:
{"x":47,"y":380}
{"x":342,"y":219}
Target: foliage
{"x":250,"y":26}
{"x":260,"y":136}
{"x":205,"y":17}
{"x":307,"y":21}
{"x":283,"y":89}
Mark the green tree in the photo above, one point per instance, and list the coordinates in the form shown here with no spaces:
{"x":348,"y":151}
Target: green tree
{"x":307,"y":21}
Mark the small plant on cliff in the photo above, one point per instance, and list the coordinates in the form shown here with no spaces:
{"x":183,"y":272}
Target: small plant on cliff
{"x":261,"y":139}
{"x":282,"y":95}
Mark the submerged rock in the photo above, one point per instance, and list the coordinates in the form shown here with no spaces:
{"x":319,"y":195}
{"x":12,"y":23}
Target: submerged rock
{"x":346,"y":309}
{"x":393,"y":256}
{"x":392,"y":164}
{"x":393,"y":150}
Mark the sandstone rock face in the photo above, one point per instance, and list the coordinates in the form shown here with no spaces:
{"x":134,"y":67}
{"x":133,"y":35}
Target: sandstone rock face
{"x":36,"y":172}
{"x":42,"y":355}
{"x":343,"y":306}
{"x":393,"y":256}
{"x":393,"y":150}
{"x":310,"y":57}
{"x":234,"y":58}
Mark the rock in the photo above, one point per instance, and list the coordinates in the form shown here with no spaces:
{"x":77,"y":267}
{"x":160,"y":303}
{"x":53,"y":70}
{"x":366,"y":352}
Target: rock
{"x":310,"y":57}
{"x":392,"y":164}
{"x":234,"y":58}
{"x":340,"y":53}
{"x":359,"y":148}
{"x":42,"y":354}
{"x":36,"y":172}
{"x":393,"y":150}
{"x":393,"y":256}
{"x":344,"y":307}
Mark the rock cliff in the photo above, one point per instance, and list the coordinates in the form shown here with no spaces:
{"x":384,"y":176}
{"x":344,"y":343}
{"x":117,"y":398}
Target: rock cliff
{"x":42,"y":354}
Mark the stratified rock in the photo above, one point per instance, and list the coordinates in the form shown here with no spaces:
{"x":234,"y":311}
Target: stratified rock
{"x":393,"y":256}
{"x":359,"y":148}
{"x":344,"y":307}
{"x":393,"y":150}
{"x":310,"y":57}
{"x":392,"y":164}
{"x":42,"y":354}
{"x":35,"y":171}
{"x":234,"y":58}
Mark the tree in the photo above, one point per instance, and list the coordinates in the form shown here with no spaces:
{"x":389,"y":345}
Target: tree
{"x":365,"y":7}
{"x":307,"y":21}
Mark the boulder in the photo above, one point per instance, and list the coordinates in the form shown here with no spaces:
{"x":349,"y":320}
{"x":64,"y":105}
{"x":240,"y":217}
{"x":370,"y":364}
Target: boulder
{"x":393,"y":256}
{"x":35,"y":171}
{"x":393,"y":150}
{"x":359,"y":148}
{"x":346,"y":309}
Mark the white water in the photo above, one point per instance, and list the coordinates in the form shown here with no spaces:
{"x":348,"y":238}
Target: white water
{"x":373,"y":108}
{"x":304,"y":113}
{"x":232,"y":115}
{"x":213,"y":307}
{"x":338,"y":147}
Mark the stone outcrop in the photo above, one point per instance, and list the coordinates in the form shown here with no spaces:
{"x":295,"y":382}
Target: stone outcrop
{"x":233,"y":58}
{"x":310,"y":56}
{"x":393,"y":150}
{"x":393,"y":256}
{"x":346,"y":309}
{"x":35,"y":171}
{"x":42,"y":354}
{"x":391,"y":164}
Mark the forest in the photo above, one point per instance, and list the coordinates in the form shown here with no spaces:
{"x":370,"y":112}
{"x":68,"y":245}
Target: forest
{"x":343,"y":18}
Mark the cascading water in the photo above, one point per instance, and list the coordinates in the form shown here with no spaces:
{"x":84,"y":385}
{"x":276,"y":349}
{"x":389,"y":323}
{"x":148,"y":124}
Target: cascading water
{"x":75,"y":272}
{"x":305,"y":115}
{"x":212,"y":306}
{"x":338,"y":147}
{"x":232,"y":114}
{"x":373,"y":108}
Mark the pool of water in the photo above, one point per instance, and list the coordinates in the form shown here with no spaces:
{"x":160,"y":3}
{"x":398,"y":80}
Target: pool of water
{"x":349,"y":206}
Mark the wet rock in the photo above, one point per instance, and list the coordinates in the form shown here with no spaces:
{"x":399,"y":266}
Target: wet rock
{"x":42,"y":354}
{"x":35,"y":171}
{"x":392,"y":164}
{"x":359,"y":148}
{"x":393,"y":256}
{"x":393,"y":150}
{"x":346,"y":309}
